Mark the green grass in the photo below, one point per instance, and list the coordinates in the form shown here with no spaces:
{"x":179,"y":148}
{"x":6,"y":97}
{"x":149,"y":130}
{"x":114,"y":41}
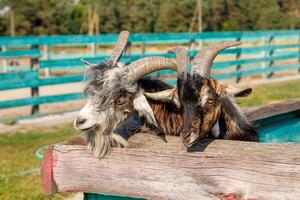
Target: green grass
{"x":272,"y":93}
{"x":17,"y":154}
{"x":17,"y":149}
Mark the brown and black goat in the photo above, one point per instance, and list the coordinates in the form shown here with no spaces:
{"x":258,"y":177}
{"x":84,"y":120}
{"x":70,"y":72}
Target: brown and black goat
{"x":207,"y":105}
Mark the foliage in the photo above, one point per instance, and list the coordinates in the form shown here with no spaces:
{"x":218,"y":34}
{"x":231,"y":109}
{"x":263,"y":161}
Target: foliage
{"x":46,"y":17}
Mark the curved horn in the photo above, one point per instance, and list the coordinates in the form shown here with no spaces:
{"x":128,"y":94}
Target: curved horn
{"x":182,"y":59}
{"x":202,"y":62}
{"x":143,"y":66}
{"x":170,"y":95}
{"x":119,"y":47}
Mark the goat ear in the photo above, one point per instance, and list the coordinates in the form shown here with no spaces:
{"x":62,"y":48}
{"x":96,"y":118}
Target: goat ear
{"x":87,"y":63}
{"x":237,"y":92}
{"x":170,"y":95}
{"x":141,"y":105}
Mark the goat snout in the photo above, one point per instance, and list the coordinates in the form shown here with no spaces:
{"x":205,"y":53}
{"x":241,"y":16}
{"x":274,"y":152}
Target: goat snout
{"x":80,"y":120}
{"x":83,"y":124}
{"x":185,"y":134}
{"x":188,"y":137}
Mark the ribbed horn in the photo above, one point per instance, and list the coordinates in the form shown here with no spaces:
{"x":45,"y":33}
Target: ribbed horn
{"x":169,"y":95}
{"x":119,"y":47}
{"x":144,"y":66}
{"x":182,"y":59}
{"x":202,"y":62}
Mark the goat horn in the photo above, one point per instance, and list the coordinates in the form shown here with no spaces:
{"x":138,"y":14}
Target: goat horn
{"x":169,"y":95}
{"x":144,"y":66}
{"x":202,"y":62}
{"x":119,"y":47}
{"x":182,"y":59}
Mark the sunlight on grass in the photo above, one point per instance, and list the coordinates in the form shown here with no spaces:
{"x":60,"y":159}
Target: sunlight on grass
{"x":17,"y":154}
{"x":272,"y":93}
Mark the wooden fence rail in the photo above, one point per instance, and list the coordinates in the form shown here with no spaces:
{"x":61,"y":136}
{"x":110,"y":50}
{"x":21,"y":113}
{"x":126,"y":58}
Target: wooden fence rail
{"x":279,"y":53}
{"x":154,"y":169}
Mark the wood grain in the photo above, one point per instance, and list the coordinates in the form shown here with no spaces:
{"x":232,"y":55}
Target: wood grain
{"x":265,"y":111}
{"x":154,"y":169}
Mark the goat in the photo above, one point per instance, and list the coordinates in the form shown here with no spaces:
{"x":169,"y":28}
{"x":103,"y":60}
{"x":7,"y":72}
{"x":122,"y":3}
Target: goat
{"x":208,"y":107}
{"x":114,"y":93}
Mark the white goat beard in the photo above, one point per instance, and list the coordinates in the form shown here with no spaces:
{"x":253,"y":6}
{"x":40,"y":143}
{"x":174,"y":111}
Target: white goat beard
{"x":104,"y":137}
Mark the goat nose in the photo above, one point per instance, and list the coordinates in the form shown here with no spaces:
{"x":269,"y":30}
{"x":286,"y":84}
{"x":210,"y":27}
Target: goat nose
{"x":185,"y":133}
{"x":80,"y":120}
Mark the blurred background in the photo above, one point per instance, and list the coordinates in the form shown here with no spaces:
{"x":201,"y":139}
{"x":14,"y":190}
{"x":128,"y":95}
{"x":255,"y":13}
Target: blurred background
{"x":41,"y":17}
{"x":41,"y":75}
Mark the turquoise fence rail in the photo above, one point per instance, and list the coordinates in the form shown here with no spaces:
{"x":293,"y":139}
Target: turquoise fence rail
{"x":263,"y":53}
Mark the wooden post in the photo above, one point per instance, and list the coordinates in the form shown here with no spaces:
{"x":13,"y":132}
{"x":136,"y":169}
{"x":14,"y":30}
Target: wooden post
{"x":46,"y":53}
{"x":144,"y":48}
{"x":12,"y":23}
{"x":238,"y":67}
{"x":199,"y":7}
{"x":270,"y":54}
{"x":93,"y":49}
{"x":299,"y":53}
{"x":266,"y":65}
{"x":34,"y":90}
{"x":5,"y":61}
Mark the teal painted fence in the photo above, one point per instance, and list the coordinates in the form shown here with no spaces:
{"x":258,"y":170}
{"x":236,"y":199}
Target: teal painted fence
{"x":263,"y":53}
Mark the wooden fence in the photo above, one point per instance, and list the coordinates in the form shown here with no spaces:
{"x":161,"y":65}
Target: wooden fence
{"x":151,"y":168}
{"x":263,"y":53}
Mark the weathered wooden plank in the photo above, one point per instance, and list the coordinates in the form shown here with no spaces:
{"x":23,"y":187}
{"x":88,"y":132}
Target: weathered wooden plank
{"x":19,"y":80}
{"x":40,"y":100}
{"x":226,"y":64}
{"x":217,"y":65}
{"x":255,"y":71}
{"x":60,"y":80}
{"x":153,"y":169}
{"x":29,"y":53}
{"x":265,"y":111}
{"x":144,"y":37}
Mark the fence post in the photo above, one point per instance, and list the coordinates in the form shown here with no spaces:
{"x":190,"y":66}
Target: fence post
{"x":192,"y":44}
{"x":93,"y":49}
{"x":238,"y":67}
{"x":34,"y":90}
{"x":299,"y":53}
{"x":128,"y":49}
{"x":5,"y":61}
{"x":268,"y":53}
{"x":46,"y":52}
{"x":144,"y":48}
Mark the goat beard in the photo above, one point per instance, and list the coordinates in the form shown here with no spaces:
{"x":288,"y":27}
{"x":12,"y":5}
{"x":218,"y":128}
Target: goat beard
{"x":103,"y":137}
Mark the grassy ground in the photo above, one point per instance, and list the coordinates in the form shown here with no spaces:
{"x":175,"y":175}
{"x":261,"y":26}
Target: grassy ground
{"x":17,"y":154}
{"x":272,"y":93}
{"x":17,"y":149}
